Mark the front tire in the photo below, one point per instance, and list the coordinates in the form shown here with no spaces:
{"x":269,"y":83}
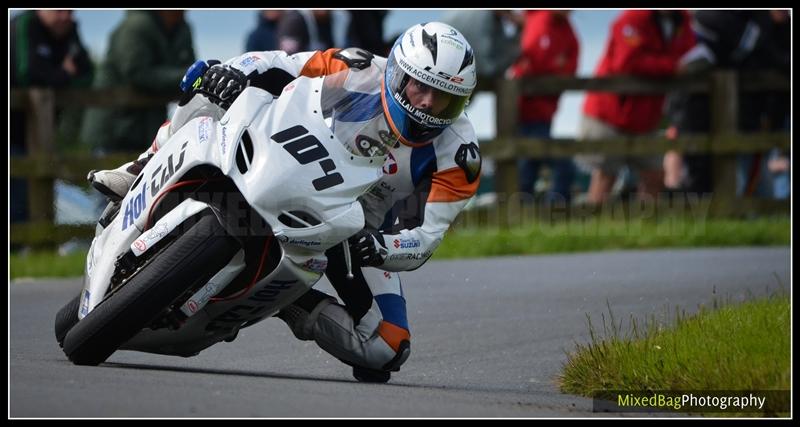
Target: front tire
{"x":66,"y":318}
{"x":190,"y":261}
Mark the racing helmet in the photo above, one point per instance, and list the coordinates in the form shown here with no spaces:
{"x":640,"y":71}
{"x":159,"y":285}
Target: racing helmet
{"x":429,"y":78}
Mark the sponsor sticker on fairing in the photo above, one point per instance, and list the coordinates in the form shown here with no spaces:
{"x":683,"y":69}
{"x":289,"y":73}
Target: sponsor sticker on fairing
{"x":203,"y":128}
{"x":160,"y":230}
{"x":223,"y":142}
{"x":140,"y":245}
{"x":315,"y":265}
{"x":85,"y":303}
{"x":192,"y":305}
{"x":304,"y":242}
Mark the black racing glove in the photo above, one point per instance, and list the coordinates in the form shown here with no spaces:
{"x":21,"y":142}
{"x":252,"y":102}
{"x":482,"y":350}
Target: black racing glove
{"x":222,"y":84}
{"x":367,"y":248}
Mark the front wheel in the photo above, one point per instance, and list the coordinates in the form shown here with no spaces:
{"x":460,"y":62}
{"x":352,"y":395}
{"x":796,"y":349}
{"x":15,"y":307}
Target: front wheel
{"x":189,"y":262}
{"x":66,"y":318}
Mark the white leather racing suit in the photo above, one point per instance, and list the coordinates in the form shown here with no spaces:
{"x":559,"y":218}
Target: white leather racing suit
{"x":423,"y":189}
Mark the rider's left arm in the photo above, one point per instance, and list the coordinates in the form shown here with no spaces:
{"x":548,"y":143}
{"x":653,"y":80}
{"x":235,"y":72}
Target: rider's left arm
{"x":408,"y":249}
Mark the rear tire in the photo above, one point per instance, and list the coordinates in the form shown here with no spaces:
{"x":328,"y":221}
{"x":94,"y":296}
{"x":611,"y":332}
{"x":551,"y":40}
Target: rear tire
{"x":66,"y":318}
{"x":190,"y":261}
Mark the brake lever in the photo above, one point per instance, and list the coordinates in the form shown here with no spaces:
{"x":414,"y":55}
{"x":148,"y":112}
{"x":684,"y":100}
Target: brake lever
{"x":347,"y":261}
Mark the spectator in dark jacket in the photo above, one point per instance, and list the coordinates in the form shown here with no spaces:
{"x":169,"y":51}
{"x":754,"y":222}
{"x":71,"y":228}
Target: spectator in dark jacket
{"x":496,"y":48}
{"x":742,"y":40}
{"x":305,"y":30}
{"x":549,"y":47}
{"x":647,"y":43}
{"x":264,"y":36}
{"x":365,"y":30}
{"x":46,"y":51}
{"x":149,"y":51}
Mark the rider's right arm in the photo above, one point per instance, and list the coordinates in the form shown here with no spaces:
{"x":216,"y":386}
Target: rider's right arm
{"x":272,"y":70}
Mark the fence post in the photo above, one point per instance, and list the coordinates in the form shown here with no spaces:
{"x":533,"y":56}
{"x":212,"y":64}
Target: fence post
{"x":39,"y":139}
{"x":506,"y":173}
{"x":724,"y":120}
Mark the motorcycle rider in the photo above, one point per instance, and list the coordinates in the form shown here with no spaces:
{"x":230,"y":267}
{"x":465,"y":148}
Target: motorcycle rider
{"x":413,"y":101}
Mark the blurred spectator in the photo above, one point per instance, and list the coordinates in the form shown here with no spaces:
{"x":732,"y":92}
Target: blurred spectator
{"x":45,"y":52}
{"x":264,"y":36}
{"x":365,"y":31}
{"x":494,"y":37}
{"x":647,"y":43}
{"x":389,"y":42}
{"x":744,"y":40}
{"x":149,"y":51}
{"x":549,"y":47}
{"x":305,"y":30}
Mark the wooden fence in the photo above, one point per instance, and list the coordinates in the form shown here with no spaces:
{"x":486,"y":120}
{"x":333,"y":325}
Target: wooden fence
{"x":723,"y":141}
{"x":43,"y":164}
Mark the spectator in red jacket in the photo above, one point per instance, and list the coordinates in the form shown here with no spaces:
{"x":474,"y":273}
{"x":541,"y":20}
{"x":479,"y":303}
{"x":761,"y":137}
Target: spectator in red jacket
{"x":548,"y":46}
{"x":645,"y":43}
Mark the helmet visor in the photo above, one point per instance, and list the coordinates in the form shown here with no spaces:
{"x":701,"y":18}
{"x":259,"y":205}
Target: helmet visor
{"x":425,"y":104}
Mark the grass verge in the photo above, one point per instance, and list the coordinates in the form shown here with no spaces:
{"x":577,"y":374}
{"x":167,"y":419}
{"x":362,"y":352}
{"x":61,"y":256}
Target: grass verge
{"x":728,"y":347}
{"x":46,"y":264}
{"x":604,"y":234}
{"x":538,"y":238}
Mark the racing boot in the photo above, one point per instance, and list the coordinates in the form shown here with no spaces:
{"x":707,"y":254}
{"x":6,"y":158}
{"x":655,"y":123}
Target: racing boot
{"x":369,"y":375}
{"x":115,"y":183}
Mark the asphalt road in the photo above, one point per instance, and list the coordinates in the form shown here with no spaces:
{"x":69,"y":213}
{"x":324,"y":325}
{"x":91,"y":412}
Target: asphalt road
{"x":489,"y":338}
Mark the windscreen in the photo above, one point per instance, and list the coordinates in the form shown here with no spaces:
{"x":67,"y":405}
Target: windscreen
{"x":349,"y":111}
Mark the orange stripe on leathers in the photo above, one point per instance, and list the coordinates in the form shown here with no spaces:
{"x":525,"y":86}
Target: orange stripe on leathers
{"x":451,"y":186}
{"x":323,"y":64}
{"x":393,"y":334}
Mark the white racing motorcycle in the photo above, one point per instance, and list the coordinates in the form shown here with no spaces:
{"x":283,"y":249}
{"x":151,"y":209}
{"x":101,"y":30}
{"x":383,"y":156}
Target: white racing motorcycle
{"x":226,"y":224}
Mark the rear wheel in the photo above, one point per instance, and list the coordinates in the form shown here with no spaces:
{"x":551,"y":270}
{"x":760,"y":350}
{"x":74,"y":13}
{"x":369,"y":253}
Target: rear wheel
{"x":190,"y":261}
